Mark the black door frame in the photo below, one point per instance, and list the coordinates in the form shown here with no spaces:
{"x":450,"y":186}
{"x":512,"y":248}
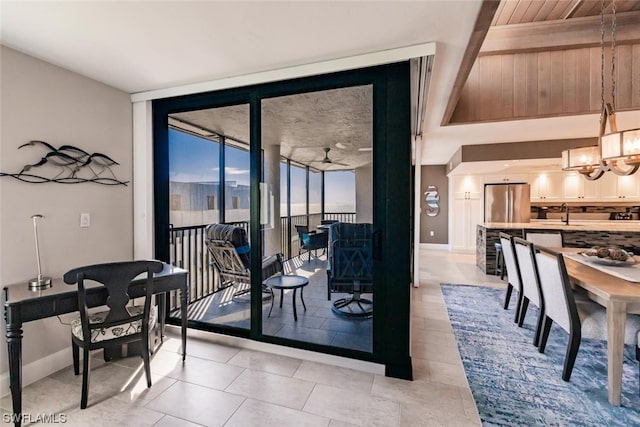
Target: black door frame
{"x":391,"y":200}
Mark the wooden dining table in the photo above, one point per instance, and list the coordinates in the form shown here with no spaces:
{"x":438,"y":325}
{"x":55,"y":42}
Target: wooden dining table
{"x":618,"y":296}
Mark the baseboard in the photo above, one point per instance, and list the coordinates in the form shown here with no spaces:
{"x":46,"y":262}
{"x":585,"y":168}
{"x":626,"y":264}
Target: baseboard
{"x":38,"y":369}
{"x":311,"y":356}
{"x":435,"y":246}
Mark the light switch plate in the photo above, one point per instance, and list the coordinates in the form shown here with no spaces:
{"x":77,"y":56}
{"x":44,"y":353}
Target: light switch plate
{"x":85,"y":220}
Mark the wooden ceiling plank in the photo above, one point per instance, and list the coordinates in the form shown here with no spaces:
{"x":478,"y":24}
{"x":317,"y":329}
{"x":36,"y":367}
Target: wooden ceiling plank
{"x":572,"y":12}
{"x":480,"y":29}
{"x":498,"y":13}
{"x":507,"y":11}
{"x":519,"y":12}
{"x":561,"y":8}
{"x":547,"y":7}
{"x":588,"y":8}
{"x":576,"y":32}
{"x":533,"y":11}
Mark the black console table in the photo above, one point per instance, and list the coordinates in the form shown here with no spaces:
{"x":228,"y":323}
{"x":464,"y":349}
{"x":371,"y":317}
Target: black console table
{"x":23,"y":305}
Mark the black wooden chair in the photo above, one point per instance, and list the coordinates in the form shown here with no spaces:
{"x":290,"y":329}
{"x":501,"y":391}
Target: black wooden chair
{"x":229,"y":249}
{"x":121,"y":323}
{"x":350,"y":268}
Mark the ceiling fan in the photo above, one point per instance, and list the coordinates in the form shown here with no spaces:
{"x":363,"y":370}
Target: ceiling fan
{"x":327,"y":160}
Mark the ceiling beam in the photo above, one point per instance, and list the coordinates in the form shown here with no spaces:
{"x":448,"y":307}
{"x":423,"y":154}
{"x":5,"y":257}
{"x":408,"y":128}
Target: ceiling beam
{"x":559,"y":34}
{"x":480,"y":29}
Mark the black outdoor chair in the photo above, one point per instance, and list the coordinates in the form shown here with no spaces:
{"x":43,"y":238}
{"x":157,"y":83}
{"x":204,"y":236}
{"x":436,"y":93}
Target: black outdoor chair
{"x":229,"y":250}
{"x":350,"y":268}
{"x":121,"y":323}
{"x":311,"y":241}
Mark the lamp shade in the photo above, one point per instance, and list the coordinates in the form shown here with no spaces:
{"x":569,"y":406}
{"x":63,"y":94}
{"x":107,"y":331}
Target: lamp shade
{"x":583,"y":158}
{"x":622,"y":146}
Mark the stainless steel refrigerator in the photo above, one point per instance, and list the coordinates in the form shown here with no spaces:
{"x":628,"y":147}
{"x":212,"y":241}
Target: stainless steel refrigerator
{"x":507,"y":203}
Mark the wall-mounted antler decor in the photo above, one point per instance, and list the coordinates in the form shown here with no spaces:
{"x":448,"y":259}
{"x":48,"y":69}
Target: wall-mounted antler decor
{"x":72,"y":164}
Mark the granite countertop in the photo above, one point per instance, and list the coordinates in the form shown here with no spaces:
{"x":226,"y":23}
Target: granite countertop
{"x":578,"y":225}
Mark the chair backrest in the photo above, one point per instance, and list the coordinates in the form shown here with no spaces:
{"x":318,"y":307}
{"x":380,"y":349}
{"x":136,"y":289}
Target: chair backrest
{"x":508,"y":252}
{"x":302,"y":231}
{"x":328,"y":221}
{"x":234,"y":235}
{"x":350,"y":252}
{"x":551,"y":240}
{"x":116,"y":277}
{"x":558,"y":296}
{"x":528,"y":273}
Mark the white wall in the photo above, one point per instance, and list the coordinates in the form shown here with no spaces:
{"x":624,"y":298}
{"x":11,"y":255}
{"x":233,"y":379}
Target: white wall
{"x":41,"y":101}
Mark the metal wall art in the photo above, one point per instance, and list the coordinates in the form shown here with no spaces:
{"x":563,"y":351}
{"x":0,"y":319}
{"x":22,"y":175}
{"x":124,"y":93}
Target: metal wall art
{"x":67,"y":165}
{"x":433,"y":200}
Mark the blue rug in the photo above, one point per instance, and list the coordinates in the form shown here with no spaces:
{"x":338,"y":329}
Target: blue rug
{"x":514,"y":385}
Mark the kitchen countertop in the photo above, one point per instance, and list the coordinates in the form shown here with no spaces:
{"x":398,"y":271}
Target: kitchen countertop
{"x":578,"y":225}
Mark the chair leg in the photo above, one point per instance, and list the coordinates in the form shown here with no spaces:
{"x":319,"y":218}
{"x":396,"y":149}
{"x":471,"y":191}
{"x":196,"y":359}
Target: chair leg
{"x":507,"y":297}
{"x":516,"y":317}
{"x":536,"y":337}
{"x":523,"y":310}
{"x":546,"y":328}
{"x":85,"y":378}
{"x":145,"y":358}
{"x":572,"y":352}
{"x":76,"y":358}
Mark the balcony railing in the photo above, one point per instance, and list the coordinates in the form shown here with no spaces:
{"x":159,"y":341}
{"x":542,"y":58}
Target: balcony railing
{"x":188,"y":250}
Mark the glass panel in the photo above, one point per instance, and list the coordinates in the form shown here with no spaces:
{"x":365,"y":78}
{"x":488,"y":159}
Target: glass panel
{"x":236,"y":185}
{"x":200,"y":206}
{"x":309,"y":129}
{"x":194,"y":184}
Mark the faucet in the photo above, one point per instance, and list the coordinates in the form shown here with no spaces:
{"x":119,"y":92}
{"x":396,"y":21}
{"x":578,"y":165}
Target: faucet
{"x":565,"y":208}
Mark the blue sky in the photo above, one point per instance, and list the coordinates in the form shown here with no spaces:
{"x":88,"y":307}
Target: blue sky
{"x":194,"y":159}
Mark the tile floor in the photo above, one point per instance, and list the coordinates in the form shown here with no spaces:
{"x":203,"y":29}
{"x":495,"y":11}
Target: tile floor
{"x":221,"y":385}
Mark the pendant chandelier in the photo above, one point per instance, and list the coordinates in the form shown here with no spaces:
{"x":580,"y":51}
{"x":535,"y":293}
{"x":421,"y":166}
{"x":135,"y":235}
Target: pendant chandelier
{"x":617,"y":151}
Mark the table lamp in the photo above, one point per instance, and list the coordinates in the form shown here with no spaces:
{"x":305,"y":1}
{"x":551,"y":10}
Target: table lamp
{"x":40,"y":282}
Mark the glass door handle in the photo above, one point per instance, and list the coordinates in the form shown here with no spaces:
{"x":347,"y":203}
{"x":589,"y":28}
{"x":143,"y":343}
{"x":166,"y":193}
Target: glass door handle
{"x":376,"y":241}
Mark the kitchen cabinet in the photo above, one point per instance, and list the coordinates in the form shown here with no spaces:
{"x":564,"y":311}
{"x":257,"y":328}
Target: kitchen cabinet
{"x":576,"y":187}
{"x":619,"y":188}
{"x":546,"y":186}
{"x":466,"y":213}
{"x":506,"y":179}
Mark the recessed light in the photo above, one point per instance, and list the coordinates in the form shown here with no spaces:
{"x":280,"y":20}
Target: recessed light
{"x":365,"y":149}
{"x":340,"y":145}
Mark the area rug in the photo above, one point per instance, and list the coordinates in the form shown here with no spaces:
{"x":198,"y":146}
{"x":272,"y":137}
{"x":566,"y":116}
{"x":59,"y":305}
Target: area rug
{"x":514,"y":385}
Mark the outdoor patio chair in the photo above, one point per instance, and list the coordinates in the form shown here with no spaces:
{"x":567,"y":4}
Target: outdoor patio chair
{"x":229,"y":249}
{"x":311,"y":240}
{"x":121,"y":323}
{"x":350,"y":268}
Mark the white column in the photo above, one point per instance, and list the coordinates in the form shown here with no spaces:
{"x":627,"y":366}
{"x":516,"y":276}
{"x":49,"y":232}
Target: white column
{"x":143,"y":241}
{"x":273,"y":234}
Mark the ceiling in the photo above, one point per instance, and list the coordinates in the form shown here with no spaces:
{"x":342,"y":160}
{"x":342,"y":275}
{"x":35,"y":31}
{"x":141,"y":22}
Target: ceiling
{"x":138,"y":46}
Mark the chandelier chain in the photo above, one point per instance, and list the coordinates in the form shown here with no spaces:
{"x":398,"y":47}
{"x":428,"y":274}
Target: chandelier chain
{"x":613,"y":55}
{"x":601,"y":60}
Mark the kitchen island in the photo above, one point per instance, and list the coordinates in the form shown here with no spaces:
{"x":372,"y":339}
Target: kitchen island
{"x":576,"y":234}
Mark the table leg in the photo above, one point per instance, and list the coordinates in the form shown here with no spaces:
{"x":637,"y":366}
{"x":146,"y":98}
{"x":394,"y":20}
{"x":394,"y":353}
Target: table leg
{"x":272,"y":298}
{"x":302,"y":298}
{"x":14,"y":345}
{"x":281,"y":296}
{"x":162,"y":308}
{"x":616,"y":320}
{"x":184,"y":297}
{"x":295,"y":313}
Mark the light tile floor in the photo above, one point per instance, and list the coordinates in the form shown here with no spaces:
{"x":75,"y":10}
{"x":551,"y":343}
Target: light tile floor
{"x":221,"y":385}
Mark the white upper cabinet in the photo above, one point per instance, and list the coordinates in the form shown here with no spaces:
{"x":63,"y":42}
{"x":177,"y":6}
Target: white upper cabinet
{"x":467,"y":186}
{"x":576,"y":187}
{"x":506,"y":179}
{"x":619,"y":188}
{"x":546,"y":186}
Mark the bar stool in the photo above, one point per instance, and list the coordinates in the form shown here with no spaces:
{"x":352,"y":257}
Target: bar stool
{"x":499,"y":260}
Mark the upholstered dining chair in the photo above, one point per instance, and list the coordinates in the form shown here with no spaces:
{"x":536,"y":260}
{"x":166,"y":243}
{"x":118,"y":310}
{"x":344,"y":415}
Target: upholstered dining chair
{"x":513,"y":273}
{"x":571,"y":310}
{"x":531,"y":292}
{"x":121,"y":323}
